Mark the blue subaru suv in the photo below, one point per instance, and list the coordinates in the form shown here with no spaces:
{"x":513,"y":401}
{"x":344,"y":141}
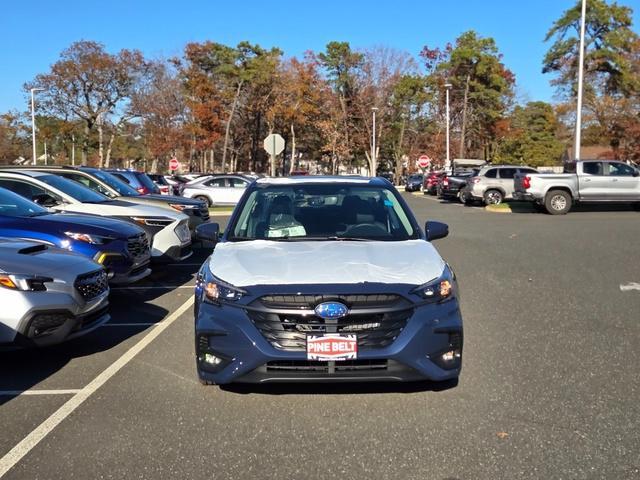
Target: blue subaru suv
{"x":325,"y":279}
{"x":120,"y":247}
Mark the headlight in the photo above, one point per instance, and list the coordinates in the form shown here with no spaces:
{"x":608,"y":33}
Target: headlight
{"x":181,"y":207}
{"x":214,"y":290}
{"x":440,"y":289}
{"x":25,"y":283}
{"x":153,"y":221}
{"x":93,"y":239}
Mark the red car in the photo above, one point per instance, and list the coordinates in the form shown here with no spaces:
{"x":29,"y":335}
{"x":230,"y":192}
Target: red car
{"x":431,"y":182}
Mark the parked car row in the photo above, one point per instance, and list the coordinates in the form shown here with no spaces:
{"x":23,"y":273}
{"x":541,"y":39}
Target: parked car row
{"x":67,"y":234}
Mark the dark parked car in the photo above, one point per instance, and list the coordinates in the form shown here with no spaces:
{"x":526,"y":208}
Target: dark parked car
{"x":414,"y":182}
{"x":138,"y":180}
{"x":161,"y":183}
{"x":120,"y":247}
{"x":451,"y":186}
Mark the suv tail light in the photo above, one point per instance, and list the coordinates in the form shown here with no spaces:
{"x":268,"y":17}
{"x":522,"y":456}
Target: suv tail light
{"x":526,"y":182}
{"x":142,"y":190}
{"x":475,"y":180}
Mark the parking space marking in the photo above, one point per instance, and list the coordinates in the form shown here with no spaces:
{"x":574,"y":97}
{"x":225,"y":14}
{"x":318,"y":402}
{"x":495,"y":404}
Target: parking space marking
{"x":629,"y":287}
{"x":41,"y":431}
{"x":18,"y":393}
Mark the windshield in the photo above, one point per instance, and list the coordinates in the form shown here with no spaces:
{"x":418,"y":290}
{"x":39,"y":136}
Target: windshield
{"x":415,"y":177}
{"x":13,"y":205}
{"x":118,"y":185}
{"x":73,"y":189}
{"x":147,"y":182}
{"x":322,"y":212}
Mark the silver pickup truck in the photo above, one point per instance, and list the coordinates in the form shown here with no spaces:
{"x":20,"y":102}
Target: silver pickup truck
{"x":583,"y":182}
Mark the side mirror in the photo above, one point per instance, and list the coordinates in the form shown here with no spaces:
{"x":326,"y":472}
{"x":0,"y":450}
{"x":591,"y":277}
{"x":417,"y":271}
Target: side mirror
{"x":435,"y":230}
{"x":45,"y":200}
{"x":208,"y":232}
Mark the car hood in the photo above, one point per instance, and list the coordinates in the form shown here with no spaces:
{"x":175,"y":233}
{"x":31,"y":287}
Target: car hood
{"x":266,"y":262}
{"x":91,"y":224}
{"x":29,"y":258}
{"x":119,"y":208}
{"x":172,"y":199}
{"x":163,"y":201}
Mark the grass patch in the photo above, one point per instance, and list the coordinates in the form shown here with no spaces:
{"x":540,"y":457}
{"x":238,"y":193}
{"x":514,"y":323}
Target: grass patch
{"x":220,"y":210}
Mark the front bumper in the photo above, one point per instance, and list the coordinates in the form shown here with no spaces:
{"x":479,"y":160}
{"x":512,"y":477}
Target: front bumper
{"x":228,"y":332}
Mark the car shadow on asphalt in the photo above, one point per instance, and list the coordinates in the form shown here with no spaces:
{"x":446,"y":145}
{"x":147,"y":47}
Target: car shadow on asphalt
{"x":529,"y":207}
{"x":356,"y":388}
{"x":22,"y":370}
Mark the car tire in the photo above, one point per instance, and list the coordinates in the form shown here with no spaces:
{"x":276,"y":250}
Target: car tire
{"x":493,"y":197}
{"x":203,"y":198}
{"x":558,"y":202}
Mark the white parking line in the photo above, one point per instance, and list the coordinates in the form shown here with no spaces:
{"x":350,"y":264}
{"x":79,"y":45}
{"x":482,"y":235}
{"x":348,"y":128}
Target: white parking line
{"x":629,"y":287}
{"x":17,"y":393}
{"x":42,"y":430}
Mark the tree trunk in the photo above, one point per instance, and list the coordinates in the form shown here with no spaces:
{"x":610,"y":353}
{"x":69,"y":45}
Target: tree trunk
{"x":293,"y":150}
{"x":107,"y":160}
{"x":464,"y":117}
{"x":85,"y":143}
{"x":228,"y":127}
{"x":100,"y":146}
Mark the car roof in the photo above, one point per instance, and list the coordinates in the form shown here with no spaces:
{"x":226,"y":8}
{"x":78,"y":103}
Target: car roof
{"x":311,"y":179}
{"x":26,"y":173}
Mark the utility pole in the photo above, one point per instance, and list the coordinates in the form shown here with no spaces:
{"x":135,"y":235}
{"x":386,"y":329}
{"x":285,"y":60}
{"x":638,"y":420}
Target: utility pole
{"x":580,"y":81}
{"x":447,"y":163}
{"x":374,"y":162}
{"x":34,"y":160}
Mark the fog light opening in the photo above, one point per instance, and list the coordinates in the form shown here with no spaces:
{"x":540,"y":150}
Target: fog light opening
{"x":451,"y":356}
{"x":211,"y":359}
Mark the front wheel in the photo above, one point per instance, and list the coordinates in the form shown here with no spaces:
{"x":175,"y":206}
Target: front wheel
{"x":558,"y":202}
{"x":203,"y":199}
{"x":493,"y":197}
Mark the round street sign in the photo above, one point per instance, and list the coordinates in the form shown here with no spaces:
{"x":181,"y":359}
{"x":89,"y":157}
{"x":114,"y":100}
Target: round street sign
{"x":274,"y":144}
{"x":424,"y":161}
{"x":174,"y":164}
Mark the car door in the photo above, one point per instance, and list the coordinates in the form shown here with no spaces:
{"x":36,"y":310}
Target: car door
{"x":593,"y":184}
{"x":505,"y":181}
{"x":237,"y":187}
{"x":217,"y":190}
{"x":625,"y":181}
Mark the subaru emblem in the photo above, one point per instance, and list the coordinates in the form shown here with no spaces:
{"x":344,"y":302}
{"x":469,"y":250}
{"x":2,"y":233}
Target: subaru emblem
{"x":330,"y":310}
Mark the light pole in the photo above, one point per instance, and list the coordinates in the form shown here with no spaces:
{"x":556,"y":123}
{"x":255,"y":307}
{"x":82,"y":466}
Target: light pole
{"x":580,"y":80}
{"x":373,"y":143}
{"x":447,"y":163}
{"x":33,"y":124}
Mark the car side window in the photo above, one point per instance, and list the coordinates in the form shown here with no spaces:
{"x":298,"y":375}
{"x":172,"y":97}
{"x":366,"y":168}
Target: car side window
{"x":508,"y":173}
{"x":121,"y":177}
{"x":619,"y":170}
{"x":592,"y":168}
{"x":527,"y":170}
{"x":23,"y":189}
{"x":493,"y":173}
{"x":88,"y":182}
{"x":238,"y":183}
{"x":216,"y":182}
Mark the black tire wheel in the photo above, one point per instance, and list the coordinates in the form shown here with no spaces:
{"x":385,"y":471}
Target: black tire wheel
{"x":493,"y":197}
{"x":558,"y":202}
{"x":204,"y":199}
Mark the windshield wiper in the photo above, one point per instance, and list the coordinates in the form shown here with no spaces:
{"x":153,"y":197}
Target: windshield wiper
{"x":287,"y":238}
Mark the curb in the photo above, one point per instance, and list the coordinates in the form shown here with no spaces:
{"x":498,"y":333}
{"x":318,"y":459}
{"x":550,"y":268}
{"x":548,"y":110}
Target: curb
{"x":496,"y":209}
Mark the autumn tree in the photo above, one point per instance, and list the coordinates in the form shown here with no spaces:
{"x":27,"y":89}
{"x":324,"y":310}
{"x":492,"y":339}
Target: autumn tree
{"x":89,"y":84}
{"x":482,"y":88}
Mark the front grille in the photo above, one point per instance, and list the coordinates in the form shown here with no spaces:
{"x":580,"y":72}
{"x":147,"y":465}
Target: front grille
{"x":138,"y":245}
{"x":326,"y":367}
{"x":89,"y":320}
{"x":289,"y":332}
{"x":308,"y":302}
{"x":92,"y":285}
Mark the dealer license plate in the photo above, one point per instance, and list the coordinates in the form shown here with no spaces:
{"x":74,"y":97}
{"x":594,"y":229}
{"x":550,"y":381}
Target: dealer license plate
{"x":332,"y":347}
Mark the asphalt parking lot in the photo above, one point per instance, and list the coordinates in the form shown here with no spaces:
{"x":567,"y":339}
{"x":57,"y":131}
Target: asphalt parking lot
{"x":549,"y":387}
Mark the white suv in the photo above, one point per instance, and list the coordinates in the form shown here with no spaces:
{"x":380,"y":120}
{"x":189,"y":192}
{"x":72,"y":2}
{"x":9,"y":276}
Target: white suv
{"x":168,"y":231}
{"x":492,"y":184}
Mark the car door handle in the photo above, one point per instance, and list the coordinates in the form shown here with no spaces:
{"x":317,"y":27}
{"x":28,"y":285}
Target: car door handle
{"x":587,"y":179}
{"x":615,"y":179}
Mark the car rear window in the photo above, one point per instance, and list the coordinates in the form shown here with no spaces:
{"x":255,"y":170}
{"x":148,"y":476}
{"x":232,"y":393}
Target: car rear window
{"x":493,"y":173}
{"x":507,"y":173}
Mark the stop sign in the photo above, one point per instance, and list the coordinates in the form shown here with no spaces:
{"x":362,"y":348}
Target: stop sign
{"x":424,"y":161}
{"x":174,"y":164}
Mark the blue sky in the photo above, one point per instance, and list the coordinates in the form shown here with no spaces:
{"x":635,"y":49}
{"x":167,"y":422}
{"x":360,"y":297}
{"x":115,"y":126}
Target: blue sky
{"x":35,"y":31}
